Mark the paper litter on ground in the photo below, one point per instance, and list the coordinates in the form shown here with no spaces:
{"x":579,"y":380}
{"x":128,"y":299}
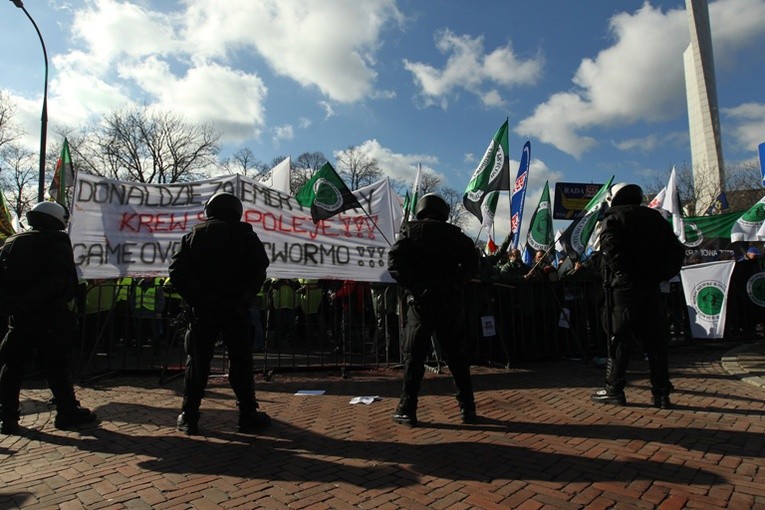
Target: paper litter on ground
{"x":364,"y":400}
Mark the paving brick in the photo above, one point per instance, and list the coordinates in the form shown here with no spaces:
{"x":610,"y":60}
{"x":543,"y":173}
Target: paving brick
{"x":541,"y":443}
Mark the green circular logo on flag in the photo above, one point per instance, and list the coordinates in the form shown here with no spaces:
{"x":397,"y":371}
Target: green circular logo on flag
{"x":538,"y":235}
{"x":756,"y":214}
{"x":693,"y":236}
{"x":755,"y":287}
{"x":708,"y":299}
{"x":327,"y":196}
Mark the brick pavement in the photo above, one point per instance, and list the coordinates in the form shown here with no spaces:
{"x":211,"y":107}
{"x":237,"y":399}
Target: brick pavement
{"x":540,"y":443}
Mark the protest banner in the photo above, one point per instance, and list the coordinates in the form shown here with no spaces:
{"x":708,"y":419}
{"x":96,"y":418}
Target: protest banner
{"x":127,"y":228}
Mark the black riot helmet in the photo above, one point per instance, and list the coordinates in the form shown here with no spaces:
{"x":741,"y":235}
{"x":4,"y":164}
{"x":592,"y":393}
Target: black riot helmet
{"x":624,"y":194}
{"x":433,"y":207}
{"x":224,"y":205}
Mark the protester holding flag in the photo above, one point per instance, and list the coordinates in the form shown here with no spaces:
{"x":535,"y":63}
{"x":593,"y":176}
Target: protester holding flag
{"x":639,"y":251}
{"x":432,"y":261}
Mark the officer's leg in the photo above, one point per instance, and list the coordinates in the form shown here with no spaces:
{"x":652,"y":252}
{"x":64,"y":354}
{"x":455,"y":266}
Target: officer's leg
{"x":16,"y":350}
{"x":200,"y":346}
{"x":416,"y":346}
{"x":653,"y":332}
{"x":618,"y":352}
{"x":57,"y":333}
{"x":451,"y":337}
{"x":240,"y":376}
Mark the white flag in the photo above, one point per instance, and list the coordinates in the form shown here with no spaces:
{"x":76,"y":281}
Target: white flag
{"x":672,"y":205}
{"x":279,"y":177}
{"x":706,"y":291}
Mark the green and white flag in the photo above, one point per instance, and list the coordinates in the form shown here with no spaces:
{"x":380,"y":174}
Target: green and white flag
{"x":63,"y":177}
{"x":326,"y":194}
{"x":6,"y":224}
{"x":540,"y":234}
{"x":751,"y":225}
{"x":492,"y":174}
{"x":576,"y":237}
{"x":706,"y":291}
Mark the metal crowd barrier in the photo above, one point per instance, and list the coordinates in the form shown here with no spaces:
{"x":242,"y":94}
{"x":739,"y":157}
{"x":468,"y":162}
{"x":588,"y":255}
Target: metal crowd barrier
{"x":506,"y":322}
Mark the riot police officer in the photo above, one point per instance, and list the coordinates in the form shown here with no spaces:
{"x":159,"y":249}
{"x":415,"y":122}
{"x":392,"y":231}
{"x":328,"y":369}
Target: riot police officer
{"x":38,"y":283}
{"x":639,"y":250}
{"x":218,"y":270}
{"x":432,"y":261}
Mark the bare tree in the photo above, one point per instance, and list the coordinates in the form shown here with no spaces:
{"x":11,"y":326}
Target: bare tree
{"x":18,"y":177}
{"x":9,"y":131}
{"x":244,"y":162}
{"x":457,"y":212}
{"x":429,"y":183}
{"x":358,"y":166}
{"x":147,"y":146}
{"x":737,"y":178}
{"x":304,"y":167}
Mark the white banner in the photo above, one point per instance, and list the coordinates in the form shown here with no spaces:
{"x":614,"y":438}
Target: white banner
{"x":126,"y":228}
{"x":706,"y":292}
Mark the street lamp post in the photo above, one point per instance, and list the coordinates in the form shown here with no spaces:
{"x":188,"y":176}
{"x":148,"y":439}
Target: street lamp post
{"x":44,"y":116}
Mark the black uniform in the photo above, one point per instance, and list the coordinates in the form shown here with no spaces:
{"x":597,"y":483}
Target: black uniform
{"x":218,"y":270}
{"x":39,"y":280}
{"x":639,"y":251}
{"x":432,"y":261}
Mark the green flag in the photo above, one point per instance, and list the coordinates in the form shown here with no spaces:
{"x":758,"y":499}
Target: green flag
{"x":575,"y":238}
{"x":326,"y":194}
{"x":6,"y":226}
{"x":492,"y":174}
{"x":63,"y":176}
{"x":540,"y":234}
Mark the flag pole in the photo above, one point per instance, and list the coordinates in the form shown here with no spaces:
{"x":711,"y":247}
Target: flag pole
{"x":376,"y":225}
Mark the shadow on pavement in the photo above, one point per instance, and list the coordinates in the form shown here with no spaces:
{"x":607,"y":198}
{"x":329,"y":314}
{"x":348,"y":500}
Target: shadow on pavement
{"x":289,"y":453}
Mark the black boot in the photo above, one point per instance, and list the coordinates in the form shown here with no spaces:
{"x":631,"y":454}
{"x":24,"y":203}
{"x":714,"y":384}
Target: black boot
{"x":467,"y":413}
{"x":187,"y":424}
{"x":662,"y":402}
{"x":9,"y":421}
{"x":74,"y":416}
{"x":253,"y":421}
{"x":9,"y":427}
{"x":607,"y":396}
{"x":406,"y":412}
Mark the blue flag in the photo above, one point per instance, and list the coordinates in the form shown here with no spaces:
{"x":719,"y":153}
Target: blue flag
{"x":518,"y":196}
{"x":719,"y":205}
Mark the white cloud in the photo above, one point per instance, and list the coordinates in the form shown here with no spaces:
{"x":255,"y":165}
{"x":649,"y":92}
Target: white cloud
{"x":469,"y":68}
{"x":748,"y":124}
{"x":399,"y":166}
{"x":639,"y":78}
{"x":653,"y":141}
{"x":184,"y":58}
{"x":329,"y":45}
{"x":329,"y":111}
{"x":111,"y":29}
{"x":284,"y":132}
{"x":204,"y":94}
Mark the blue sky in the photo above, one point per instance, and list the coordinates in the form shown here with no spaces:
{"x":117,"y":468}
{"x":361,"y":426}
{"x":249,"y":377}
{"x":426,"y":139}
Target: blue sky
{"x":596,"y":85}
